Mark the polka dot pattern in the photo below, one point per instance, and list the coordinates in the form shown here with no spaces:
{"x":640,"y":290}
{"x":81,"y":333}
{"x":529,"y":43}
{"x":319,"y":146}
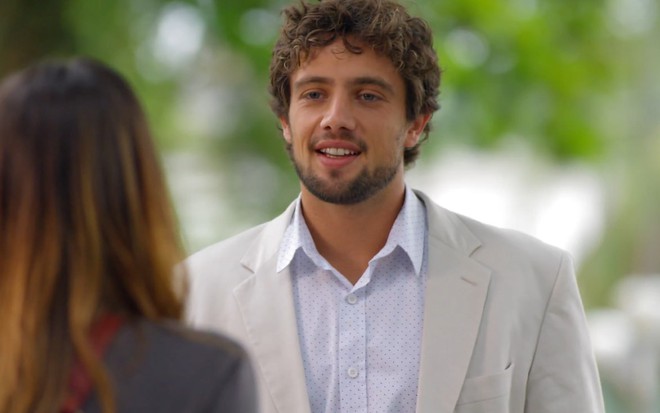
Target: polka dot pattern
{"x":361,"y":343}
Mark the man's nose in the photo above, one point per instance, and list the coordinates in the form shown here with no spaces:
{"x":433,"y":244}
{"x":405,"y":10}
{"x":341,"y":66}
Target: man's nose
{"x":339,"y":114}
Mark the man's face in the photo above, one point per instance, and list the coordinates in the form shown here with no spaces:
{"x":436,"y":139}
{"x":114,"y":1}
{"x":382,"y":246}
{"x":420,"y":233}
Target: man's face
{"x":346,"y":128}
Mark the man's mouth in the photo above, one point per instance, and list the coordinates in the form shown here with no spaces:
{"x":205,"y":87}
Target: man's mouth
{"x":337,"y":152}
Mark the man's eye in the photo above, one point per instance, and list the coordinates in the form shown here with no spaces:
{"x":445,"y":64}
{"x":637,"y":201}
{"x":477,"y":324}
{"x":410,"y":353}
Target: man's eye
{"x":369,"y":97}
{"x":314,"y":95}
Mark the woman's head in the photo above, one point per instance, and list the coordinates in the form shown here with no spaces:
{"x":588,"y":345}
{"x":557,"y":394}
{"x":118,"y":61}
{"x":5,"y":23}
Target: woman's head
{"x":86,"y":224}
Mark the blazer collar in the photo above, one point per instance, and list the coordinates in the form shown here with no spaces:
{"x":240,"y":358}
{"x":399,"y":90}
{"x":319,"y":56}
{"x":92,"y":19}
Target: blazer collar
{"x":456,"y":291}
{"x":447,"y":228}
{"x":267,"y":309}
{"x":444,"y":226}
{"x":266,"y":246}
{"x":266,"y":303}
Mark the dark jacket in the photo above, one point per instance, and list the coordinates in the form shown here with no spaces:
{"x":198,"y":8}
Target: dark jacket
{"x":165,"y":367}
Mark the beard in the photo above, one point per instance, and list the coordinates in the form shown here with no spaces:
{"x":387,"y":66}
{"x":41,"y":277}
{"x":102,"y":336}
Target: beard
{"x":337,"y":191}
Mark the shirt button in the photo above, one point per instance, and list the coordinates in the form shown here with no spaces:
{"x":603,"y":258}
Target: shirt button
{"x":351,"y":298}
{"x":353,"y":372}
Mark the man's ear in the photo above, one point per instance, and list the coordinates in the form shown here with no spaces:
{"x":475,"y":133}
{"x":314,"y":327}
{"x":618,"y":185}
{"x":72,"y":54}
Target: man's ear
{"x":286,"y":130}
{"x":415,"y":130}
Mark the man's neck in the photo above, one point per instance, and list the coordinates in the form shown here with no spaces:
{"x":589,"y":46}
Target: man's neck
{"x":348,"y":236}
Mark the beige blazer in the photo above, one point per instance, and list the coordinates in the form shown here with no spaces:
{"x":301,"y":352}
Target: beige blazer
{"x":504,"y":326}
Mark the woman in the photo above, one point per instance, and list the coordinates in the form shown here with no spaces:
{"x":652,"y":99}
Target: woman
{"x":88,"y":245}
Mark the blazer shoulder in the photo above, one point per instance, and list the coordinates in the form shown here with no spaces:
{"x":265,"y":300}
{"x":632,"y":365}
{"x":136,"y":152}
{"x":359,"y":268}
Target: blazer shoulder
{"x":510,"y":239}
{"x":225,"y":252}
{"x":228,"y":254}
{"x":507,"y":252}
{"x":213,"y":272}
{"x":519,"y":259}
{"x":470,"y":235}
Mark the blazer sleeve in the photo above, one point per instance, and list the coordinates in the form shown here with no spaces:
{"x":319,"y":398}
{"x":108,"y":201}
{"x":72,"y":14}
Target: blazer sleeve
{"x":563,"y":376}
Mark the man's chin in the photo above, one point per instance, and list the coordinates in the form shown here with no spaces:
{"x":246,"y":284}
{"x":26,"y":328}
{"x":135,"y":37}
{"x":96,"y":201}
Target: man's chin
{"x":341,"y":195}
{"x":346,"y":191}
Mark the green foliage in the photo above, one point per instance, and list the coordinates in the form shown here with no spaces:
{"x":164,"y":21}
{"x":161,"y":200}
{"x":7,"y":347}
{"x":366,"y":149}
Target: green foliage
{"x":515,"y":68}
{"x":555,"y":74}
{"x":29,"y":29}
{"x":530,"y":72}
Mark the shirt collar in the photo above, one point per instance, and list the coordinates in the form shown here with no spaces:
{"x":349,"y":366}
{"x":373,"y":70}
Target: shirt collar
{"x":297,"y":237}
{"x":408,"y":232}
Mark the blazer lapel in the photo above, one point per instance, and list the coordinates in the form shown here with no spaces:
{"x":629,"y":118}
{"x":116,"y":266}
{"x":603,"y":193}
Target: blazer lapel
{"x":266,"y":304}
{"x":456,"y":291}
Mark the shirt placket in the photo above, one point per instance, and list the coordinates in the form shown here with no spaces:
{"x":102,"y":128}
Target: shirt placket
{"x":352,"y":352}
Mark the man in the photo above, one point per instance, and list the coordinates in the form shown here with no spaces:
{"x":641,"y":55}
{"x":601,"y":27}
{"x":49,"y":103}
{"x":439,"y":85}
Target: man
{"x":365,"y":296}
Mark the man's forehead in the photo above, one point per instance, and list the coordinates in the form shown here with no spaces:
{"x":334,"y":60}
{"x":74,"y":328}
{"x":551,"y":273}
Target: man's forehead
{"x":337,"y":47}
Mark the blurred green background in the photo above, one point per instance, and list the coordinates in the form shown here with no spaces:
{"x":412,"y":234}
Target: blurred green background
{"x":550,"y":123}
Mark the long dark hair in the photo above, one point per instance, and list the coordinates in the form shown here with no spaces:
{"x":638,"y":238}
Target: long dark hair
{"x":86,"y":226}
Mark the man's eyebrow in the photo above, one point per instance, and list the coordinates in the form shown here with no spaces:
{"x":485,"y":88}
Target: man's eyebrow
{"x":359,"y":81}
{"x":310,"y":80}
{"x":375,"y":81}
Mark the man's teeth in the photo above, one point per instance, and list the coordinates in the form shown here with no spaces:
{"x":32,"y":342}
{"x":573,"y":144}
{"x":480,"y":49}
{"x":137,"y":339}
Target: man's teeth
{"x":338,"y":152}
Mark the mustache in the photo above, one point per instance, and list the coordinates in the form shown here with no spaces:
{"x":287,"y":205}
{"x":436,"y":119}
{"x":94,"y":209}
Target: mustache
{"x":344,"y":135}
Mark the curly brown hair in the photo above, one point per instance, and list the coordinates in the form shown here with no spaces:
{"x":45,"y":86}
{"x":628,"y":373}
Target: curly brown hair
{"x":383,"y":25}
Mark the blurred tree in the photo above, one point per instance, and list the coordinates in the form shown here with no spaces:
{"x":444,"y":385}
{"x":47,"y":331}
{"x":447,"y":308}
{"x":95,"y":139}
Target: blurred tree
{"x":523,"y":68}
{"x":572,"y":79}
{"x":631,"y":243}
{"x":29,"y":29}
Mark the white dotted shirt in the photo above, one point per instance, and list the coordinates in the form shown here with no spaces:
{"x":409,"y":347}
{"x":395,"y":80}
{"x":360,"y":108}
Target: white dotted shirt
{"x":361,"y":343}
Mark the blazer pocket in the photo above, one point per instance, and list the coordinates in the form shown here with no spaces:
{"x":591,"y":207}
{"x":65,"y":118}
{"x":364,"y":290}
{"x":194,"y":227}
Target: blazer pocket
{"x":487,"y":394}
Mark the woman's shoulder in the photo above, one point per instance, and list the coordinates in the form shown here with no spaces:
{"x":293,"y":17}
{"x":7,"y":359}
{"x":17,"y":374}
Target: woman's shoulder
{"x":172,"y":339}
{"x":178,"y":333}
{"x":165,"y":366}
